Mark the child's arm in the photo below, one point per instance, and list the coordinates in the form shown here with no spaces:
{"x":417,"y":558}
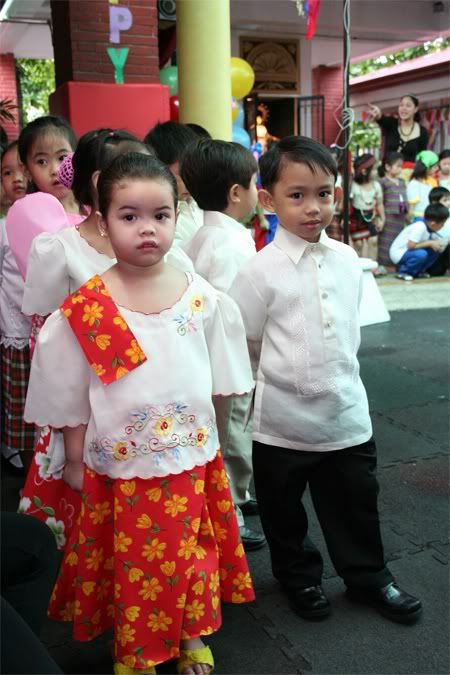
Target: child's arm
{"x":428,"y":243}
{"x":74,"y":450}
{"x":381,"y":213}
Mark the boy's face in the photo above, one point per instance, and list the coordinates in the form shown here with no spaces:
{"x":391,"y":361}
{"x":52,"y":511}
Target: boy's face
{"x":248,"y":198}
{"x":445,"y":201}
{"x":435,"y":225}
{"x":302,"y":199}
{"x":182,"y":190}
{"x":13,"y":176}
{"x":396,"y":168}
{"x":444,"y":166}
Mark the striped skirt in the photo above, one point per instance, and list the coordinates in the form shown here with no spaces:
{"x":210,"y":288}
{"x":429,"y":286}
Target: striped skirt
{"x":16,"y":434}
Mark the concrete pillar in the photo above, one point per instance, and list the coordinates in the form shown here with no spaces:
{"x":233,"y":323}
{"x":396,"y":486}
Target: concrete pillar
{"x":204,"y":51}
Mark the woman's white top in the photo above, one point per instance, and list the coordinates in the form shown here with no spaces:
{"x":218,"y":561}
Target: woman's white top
{"x":60,"y":263}
{"x":300,"y":305}
{"x":220,"y":248}
{"x":417,"y":193}
{"x":15,"y":327}
{"x":365,"y":199}
{"x":159,"y":418}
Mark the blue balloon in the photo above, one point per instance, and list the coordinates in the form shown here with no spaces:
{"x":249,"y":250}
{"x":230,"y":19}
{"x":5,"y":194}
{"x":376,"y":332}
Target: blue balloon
{"x":240,"y":119}
{"x":241,"y":136}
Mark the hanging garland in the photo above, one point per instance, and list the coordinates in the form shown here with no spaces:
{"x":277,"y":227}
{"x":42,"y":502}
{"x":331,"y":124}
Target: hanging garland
{"x":309,"y":9}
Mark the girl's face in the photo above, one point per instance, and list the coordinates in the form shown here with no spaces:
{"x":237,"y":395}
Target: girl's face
{"x":44,"y":159}
{"x":433,"y":170}
{"x":140,"y":221}
{"x":444,"y":166}
{"x":394,"y":169}
{"x":13,"y":176}
{"x":407,"y":109}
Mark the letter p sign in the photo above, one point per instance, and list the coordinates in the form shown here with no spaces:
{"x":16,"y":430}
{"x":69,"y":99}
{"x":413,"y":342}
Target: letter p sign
{"x":120,"y":19}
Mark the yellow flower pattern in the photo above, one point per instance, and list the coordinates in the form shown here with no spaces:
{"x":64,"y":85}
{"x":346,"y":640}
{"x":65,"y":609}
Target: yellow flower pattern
{"x":135,"y":352}
{"x":92,"y":314}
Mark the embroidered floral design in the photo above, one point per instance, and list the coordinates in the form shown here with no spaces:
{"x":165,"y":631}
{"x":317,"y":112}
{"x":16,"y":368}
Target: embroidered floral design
{"x":163,"y":426}
{"x":120,"y":451}
{"x":197,"y":303}
{"x":185,"y":321}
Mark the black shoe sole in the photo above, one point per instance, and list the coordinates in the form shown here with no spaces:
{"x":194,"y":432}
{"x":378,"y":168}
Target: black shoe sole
{"x":249,"y":510}
{"x":312,"y":614}
{"x":406,"y":618}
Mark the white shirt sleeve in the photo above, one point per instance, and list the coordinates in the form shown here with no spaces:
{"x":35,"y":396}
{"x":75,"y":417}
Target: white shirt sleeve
{"x":418,"y":232}
{"x":252,"y":305}
{"x":412,"y":192}
{"x":47,"y":282}
{"x":58,"y":390}
{"x":227,"y":346}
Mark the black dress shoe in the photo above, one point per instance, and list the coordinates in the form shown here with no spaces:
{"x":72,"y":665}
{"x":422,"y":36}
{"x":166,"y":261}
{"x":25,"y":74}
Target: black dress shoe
{"x":250,"y":508}
{"x":310,"y":603}
{"x":390,"y":601}
{"x":251,"y":539}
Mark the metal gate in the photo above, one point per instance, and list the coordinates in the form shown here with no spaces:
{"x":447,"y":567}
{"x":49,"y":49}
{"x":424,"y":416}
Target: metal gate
{"x":311,"y":117}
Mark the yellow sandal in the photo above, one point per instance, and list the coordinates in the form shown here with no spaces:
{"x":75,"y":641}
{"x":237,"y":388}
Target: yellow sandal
{"x":189,"y":657}
{"x":122,"y":669}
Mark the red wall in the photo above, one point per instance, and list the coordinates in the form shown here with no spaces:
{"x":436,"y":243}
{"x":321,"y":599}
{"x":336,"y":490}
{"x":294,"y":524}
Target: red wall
{"x":8,"y":89}
{"x":328,"y":82}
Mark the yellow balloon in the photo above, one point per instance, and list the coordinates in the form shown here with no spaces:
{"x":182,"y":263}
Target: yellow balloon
{"x":242,"y":77}
{"x":234,"y":109}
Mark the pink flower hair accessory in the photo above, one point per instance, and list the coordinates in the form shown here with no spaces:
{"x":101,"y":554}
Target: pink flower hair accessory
{"x":65,"y":173}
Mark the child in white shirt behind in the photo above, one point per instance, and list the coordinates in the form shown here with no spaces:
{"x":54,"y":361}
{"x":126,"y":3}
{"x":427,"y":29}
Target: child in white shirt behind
{"x":221,"y":177}
{"x":299,"y":299}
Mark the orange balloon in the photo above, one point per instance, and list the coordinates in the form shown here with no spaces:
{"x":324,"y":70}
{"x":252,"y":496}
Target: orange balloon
{"x":242,"y":77}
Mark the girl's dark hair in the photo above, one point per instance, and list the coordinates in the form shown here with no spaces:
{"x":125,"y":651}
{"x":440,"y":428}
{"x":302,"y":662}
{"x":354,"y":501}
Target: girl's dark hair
{"x":95,"y":150}
{"x":169,"y":140}
{"x":415,"y":100}
{"x":132,"y":165}
{"x":437,"y":193}
{"x":7,"y":148}
{"x":390,"y":160}
{"x":362,"y":166}
{"x":41,"y":126}
{"x":209,"y":169}
{"x":300,"y":149}
{"x":445,"y":154}
{"x":420,"y":171}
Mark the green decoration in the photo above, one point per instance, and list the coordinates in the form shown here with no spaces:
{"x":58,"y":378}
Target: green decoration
{"x":118,"y":58}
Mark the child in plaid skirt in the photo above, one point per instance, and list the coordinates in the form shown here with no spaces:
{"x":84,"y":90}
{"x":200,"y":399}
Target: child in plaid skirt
{"x":17,"y":437}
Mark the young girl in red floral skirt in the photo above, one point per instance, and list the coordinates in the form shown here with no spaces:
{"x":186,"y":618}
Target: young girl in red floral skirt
{"x":127,"y":369}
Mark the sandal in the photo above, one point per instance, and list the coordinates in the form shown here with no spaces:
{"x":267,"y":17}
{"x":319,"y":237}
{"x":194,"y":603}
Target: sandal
{"x":122,"y":669}
{"x":189,"y":657}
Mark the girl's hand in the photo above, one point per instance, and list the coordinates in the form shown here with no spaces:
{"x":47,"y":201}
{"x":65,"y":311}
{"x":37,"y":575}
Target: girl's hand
{"x":374,"y":112}
{"x":73,"y":475}
{"x":379,"y":225}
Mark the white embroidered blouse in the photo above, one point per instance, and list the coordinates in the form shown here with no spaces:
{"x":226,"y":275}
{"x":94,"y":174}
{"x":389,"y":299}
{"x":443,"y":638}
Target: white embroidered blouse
{"x":60,"y":263}
{"x":159,"y":418}
{"x":15,"y":327}
{"x":299,"y":302}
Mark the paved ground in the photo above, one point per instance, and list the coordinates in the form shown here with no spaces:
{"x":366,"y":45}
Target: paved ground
{"x":405,"y":368}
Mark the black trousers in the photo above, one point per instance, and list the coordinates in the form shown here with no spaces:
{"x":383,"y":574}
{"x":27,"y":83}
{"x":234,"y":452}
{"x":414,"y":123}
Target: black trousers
{"x":441,"y":265}
{"x":29,"y":562}
{"x":344,"y":491}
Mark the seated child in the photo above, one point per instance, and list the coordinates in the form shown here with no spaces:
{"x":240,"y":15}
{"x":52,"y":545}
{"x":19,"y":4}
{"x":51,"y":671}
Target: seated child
{"x":221,"y":177}
{"x":169,"y":140}
{"x":299,"y":299}
{"x":419,"y":245}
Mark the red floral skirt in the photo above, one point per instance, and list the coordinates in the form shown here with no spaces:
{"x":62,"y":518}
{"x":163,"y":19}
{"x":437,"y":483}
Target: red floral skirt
{"x":46,"y":496}
{"x":152,"y":559}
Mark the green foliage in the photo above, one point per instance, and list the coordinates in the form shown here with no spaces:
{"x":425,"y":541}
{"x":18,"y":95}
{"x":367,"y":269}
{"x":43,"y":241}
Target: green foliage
{"x":37,"y":82}
{"x":365,"y":137}
{"x":392,"y":59}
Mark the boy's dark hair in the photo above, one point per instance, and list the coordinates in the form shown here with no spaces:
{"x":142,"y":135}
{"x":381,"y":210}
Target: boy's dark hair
{"x":41,"y":126}
{"x":437,"y":212}
{"x":393,"y":157}
{"x":7,"y":148}
{"x":300,"y":149}
{"x":210,"y":168}
{"x":445,"y":154}
{"x":132,"y":165}
{"x":437,"y":193}
{"x":199,"y":130}
{"x":420,"y":171}
{"x":95,"y":150}
{"x":169,"y":141}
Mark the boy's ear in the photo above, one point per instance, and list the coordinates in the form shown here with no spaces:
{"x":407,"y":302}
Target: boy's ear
{"x":234,"y":196}
{"x":101,"y":224}
{"x":265,"y":198}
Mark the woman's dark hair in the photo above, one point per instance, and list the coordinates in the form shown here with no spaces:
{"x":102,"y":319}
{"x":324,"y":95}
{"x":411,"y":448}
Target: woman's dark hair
{"x":362,"y":166}
{"x":132,"y":165}
{"x":437,"y":193}
{"x":40,"y":127}
{"x":210,"y":168}
{"x":445,"y":154}
{"x":415,"y":100}
{"x":299,"y":149}
{"x":169,"y":141}
{"x":420,"y":171}
{"x":199,"y":130}
{"x":437,"y":212}
{"x":95,"y":150}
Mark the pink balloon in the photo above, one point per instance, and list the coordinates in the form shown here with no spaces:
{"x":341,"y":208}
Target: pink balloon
{"x":28,"y":217}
